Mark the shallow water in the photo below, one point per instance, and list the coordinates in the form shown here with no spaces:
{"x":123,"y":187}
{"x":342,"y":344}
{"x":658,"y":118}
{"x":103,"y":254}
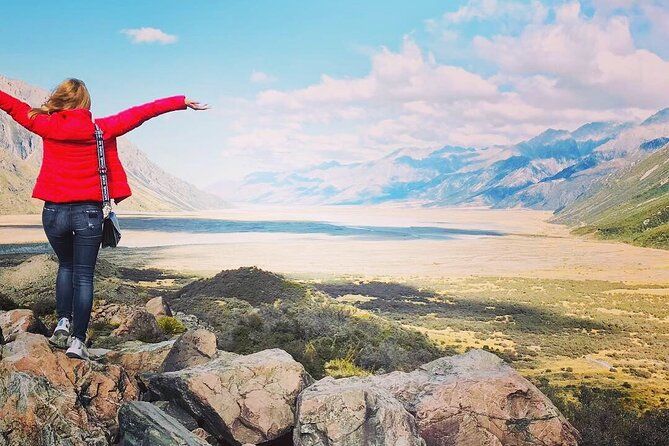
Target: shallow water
{"x":216,"y":226}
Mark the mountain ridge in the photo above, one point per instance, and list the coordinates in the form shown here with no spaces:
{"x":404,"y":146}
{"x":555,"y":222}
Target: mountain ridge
{"x":548,"y":171}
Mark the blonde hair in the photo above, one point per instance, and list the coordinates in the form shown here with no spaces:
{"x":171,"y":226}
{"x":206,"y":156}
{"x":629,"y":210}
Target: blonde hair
{"x":68,"y":95}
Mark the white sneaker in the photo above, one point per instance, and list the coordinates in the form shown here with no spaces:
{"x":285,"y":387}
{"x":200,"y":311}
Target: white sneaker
{"x":63,"y":327}
{"x":61,"y":335}
{"x":77,"y":349}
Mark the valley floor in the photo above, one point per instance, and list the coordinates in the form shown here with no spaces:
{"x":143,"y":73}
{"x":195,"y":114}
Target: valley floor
{"x":528,"y":246}
{"x":569,"y":309}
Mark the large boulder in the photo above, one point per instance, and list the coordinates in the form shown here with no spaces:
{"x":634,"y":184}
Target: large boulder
{"x":138,"y":357}
{"x":192,"y":348}
{"x":140,"y":326}
{"x":144,"y":424}
{"x":237,"y":398}
{"x":463,"y":400}
{"x":18,"y":321}
{"x":330,"y":414}
{"x":47,"y":398}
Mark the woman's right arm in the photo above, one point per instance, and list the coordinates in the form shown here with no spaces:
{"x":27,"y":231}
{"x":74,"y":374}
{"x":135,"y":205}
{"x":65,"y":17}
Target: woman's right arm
{"x":18,"y":110}
{"x":132,"y":118}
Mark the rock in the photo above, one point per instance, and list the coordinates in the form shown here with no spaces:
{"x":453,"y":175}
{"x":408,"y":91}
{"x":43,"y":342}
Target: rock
{"x":206,"y":436}
{"x":332,"y":413}
{"x":158,"y":307}
{"x":191,"y":348}
{"x":138,"y":357}
{"x":469,"y":399}
{"x":111,"y":313}
{"x":144,"y":424}
{"x":238,"y":399}
{"x":141,"y":326}
{"x":47,"y":398}
{"x":18,"y":321}
{"x":177,"y":412}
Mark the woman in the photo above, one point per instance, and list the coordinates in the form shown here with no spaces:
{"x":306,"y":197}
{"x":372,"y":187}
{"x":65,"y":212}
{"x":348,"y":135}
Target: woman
{"x":69,"y":184}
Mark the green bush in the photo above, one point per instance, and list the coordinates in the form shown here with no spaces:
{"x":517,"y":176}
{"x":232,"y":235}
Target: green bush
{"x":344,"y":368}
{"x":252,"y":310}
{"x":170,"y":325}
{"x":605,"y":417}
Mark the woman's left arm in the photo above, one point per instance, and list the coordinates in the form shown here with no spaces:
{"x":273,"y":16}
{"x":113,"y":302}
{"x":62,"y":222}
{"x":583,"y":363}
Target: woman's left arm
{"x":18,"y":110}
{"x":121,"y":123}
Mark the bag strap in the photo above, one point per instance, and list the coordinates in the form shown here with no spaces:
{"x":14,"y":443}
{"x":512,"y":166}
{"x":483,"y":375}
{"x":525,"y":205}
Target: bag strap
{"x":102,"y":169}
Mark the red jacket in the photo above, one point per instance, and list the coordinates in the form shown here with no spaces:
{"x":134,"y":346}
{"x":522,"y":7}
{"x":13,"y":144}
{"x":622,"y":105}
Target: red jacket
{"x":69,"y":169}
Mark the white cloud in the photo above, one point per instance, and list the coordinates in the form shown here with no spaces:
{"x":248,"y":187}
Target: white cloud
{"x":260,"y":77}
{"x":480,"y":10}
{"x":149,"y":35}
{"x":593,"y":61}
{"x":560,"y":72}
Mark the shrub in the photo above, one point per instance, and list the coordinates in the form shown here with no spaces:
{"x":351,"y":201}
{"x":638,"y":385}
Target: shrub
{"x":343,"y":368}
{"x":604,"y":417}
{"x":6,"y":303}
{"x":170,"y":325}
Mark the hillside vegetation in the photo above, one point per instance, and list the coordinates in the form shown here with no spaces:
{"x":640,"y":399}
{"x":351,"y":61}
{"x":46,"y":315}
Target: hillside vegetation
{"x":631,"y":205}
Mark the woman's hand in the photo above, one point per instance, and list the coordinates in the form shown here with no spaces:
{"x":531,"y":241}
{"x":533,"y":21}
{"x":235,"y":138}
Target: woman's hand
{"x":195,"y":105}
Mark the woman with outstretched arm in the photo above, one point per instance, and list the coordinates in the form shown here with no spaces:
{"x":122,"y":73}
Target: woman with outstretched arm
{"x":69,"y":185}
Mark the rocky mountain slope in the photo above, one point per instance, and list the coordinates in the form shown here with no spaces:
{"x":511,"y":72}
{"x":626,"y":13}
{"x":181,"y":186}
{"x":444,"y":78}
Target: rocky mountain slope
{"x":155,"y":384}
{"x":631,"y":204}
{"x":548,"y":171}
{"x":21,"y":154}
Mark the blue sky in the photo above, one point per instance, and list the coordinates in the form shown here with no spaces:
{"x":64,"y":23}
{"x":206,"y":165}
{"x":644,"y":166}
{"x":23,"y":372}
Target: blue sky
{"x":294,"y":83}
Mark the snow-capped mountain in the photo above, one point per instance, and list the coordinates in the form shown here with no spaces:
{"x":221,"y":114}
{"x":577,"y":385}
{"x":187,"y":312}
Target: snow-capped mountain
{"x":546,"y":172}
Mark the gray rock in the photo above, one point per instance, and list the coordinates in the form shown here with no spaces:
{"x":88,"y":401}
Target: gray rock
{"x":469,"y":399}
{"x":238,"y":399}
{"x":158,"y":307}
{"x":206,"y":436}
{"x":139,"y":357}
{"x":333,"y":413}
{"x":140,"y":326}
{"x":177,"y":412}
{"x":190,"y":349}
{"x":144,"y":424}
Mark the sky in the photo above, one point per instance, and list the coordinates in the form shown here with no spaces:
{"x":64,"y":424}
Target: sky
{"x":296,"y":83}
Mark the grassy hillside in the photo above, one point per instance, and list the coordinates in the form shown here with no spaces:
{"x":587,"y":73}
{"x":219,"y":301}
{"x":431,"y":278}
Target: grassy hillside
{"x":631,"y":205}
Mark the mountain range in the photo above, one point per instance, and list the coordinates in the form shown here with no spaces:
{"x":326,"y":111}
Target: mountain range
{"x":548,"y":171}
{"x":21,"y":154}
{"x":631,"y":204}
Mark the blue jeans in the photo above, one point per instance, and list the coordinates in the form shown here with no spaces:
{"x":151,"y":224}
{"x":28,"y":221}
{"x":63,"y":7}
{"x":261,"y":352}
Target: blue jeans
{"x":74,"y":231}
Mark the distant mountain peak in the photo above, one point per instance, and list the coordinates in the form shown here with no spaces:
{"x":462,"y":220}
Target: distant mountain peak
{"x":661,"y":117}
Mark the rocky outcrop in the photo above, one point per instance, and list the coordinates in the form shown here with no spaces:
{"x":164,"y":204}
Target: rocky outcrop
{"x":192,"y":348}
{"x":18,"y":321}
{"x":158,"y":307}
{"x":144,"y":424}
{"x":141,"y":326}
{"x":469,"y":399}
{"x":356,"y":414}
{"x":138,"y":357}
{"x":47,"y":398}
{"x":238,"y":399}
{"x":175,"y":411}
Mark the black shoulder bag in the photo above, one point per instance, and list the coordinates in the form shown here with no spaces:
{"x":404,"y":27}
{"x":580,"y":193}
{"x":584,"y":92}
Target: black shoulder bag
{"x":111,"y":231}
